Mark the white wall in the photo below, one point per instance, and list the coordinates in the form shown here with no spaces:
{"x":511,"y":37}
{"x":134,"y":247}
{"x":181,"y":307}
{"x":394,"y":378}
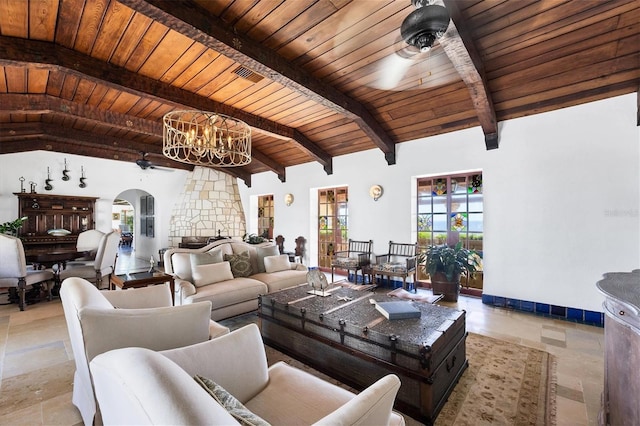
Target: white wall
{"x":562,"y":198}
{"x":106,"y":179}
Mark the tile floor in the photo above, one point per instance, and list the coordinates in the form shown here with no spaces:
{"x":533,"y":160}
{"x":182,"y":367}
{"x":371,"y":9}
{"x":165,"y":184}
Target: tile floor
{"x":37,"y":338}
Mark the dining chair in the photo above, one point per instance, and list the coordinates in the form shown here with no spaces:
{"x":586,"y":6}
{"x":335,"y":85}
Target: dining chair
{"x":14,"y":272}
{"x":102,"y":267}
{"x":88,"y":243}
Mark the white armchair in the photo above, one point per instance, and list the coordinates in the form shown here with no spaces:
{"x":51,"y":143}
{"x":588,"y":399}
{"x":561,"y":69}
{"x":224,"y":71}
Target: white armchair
{"x":101,"y":268}
{"x":144,"y":318}
{"x":88,"y":242}
{"x":142,"y":387}
{"x":14,"y":272}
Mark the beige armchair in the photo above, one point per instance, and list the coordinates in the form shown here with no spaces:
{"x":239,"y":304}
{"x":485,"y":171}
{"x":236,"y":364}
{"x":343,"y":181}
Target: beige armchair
{"x":14,"y":273}
{"x":88,"y":242}
{"x":145,"y":318}
{"x":142,"y":387}
{"x":101,"y":268}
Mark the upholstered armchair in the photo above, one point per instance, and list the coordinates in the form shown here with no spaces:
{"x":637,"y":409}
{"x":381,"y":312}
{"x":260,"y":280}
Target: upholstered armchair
{"x":356,"y":258}
{"x":144,"y":318}
{"x":14,"y":272}
{"x":399,"y":261}
{"x":88,"y":242}
{"x":101,"y":268}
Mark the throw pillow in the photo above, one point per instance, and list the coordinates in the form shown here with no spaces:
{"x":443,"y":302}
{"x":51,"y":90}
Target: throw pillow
{"x":240,"y":264}
{"x":230,"y":403}
{"x":277,"y":263}
{"x":211,"y":273}
{"x":205,"y":258}
{"x":264,"y":252}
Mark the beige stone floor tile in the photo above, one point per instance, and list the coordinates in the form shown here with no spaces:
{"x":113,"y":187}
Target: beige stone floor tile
{"x":36,"y":332}
{"x":27,"y":416}
{"x":554,"y":333}
{"x":570,"y":413}
{"x":60,"y":411}
{"x":34,"y":358}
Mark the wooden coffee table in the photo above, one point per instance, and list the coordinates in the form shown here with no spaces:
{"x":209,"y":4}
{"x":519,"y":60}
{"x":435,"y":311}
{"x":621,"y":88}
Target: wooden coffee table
{"x":344,"y":336}
{"x":142,"y":279}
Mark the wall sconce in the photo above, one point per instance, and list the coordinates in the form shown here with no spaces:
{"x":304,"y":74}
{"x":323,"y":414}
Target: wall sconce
{"x":375,"y":192}
{"x":288,"y":199}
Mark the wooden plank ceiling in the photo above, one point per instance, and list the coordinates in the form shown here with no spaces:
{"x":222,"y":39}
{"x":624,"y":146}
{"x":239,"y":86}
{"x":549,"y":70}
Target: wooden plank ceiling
{"x":326,"y":78}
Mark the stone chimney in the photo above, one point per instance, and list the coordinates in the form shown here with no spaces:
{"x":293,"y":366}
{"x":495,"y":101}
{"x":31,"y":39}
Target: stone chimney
{"x":210,"y":202}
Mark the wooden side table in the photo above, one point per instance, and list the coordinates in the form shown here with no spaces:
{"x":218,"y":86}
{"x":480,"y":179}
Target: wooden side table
{"x":142,"y":279}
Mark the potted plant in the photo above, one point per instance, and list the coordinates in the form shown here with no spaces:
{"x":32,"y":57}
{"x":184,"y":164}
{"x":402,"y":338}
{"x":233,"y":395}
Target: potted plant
{"x":445,"y":264}
{"x":11,"y":228}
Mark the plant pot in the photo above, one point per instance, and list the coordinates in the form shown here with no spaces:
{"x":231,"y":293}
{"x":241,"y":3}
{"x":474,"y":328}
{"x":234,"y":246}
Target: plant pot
{"x":450,"y":289}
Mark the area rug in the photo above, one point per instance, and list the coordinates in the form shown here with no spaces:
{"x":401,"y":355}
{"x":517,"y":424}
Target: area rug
{"x":505,"y":384}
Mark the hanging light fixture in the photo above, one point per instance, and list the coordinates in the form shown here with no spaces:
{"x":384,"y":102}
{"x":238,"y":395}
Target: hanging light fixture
{"x":206,"y":139}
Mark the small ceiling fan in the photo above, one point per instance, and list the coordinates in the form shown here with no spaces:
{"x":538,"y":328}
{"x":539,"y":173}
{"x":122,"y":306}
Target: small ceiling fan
{"x":144,"y":163}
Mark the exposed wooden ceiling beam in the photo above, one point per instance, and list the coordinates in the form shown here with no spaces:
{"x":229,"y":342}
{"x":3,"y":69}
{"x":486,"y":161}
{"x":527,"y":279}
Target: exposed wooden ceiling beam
{"x":461,"y":50}
{"x":47,"y":55}
{"x":45,"y":104}
{"x":192,"y":21}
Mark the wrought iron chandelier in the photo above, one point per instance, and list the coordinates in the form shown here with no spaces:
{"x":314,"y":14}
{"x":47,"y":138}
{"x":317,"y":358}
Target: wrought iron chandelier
{"x":206,"y":139}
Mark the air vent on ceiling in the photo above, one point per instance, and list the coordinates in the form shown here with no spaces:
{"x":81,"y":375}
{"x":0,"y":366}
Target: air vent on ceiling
{"x":247,"y":74}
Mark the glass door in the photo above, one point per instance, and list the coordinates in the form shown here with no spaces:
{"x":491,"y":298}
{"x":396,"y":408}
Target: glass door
{"x":333,"y":215}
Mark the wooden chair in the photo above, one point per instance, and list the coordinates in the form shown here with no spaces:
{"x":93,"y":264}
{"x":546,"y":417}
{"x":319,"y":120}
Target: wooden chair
{"x":14,"y":272}
{"x":400,"y":261}
{"x":356,"y":258}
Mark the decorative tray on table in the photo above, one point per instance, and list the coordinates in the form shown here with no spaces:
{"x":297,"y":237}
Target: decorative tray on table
{"x":58,"y":232}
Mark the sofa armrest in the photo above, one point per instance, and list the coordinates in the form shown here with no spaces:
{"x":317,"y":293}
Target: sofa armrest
{"x":217,"y":330}
{"x":183,"y":289}
{"x":155,"y":296}
{"x":298,"y":267}
{"x":237,"y":361}
{"x":372,"y":406}
{"x":157,"y":328}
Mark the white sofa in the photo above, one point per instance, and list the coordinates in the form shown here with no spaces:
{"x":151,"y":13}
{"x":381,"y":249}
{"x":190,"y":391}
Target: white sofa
{"x":142,"y":387}
{"x":144,"y":317}
{"x":216,"y":281}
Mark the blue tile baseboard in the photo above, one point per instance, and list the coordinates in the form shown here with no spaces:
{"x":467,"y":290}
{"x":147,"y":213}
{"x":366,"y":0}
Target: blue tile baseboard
{"x":560,"y":312}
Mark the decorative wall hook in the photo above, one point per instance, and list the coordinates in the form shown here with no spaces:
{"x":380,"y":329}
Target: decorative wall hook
{"x":47,"y":181}
{"x":33,"y":187}
{"x":65,"y":172}
{"x":82,"y":178}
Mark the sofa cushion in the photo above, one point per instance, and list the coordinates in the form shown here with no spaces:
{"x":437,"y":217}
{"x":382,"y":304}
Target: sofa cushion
{"x":283,"y":279}
{"x":277,"y":263}
{"x":263,"y":252}
{"x":211,"y":273}
{"x":214,"y":256}
{"x":230,"y":403}
{"x":231,"y":292}
{"x":240,"y":264}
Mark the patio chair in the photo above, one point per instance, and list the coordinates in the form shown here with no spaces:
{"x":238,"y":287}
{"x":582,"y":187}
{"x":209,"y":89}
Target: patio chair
{"x":356,"y":258}
{"x":400,"y":261}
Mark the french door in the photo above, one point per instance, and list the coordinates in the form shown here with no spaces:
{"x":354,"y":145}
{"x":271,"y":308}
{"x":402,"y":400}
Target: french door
{"x":333,"y":213}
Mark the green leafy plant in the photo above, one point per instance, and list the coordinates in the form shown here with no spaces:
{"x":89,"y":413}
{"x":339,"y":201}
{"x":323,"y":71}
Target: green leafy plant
{"x":253,"y":239}
{"x":451,"y":261}
{"x":11,"y":228}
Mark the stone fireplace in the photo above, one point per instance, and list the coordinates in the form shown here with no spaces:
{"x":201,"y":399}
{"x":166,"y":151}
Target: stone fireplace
{"x":210,"y":202}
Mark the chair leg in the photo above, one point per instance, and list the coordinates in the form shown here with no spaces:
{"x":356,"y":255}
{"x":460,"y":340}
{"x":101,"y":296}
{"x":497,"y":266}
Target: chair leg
{"x":22,"y":290}
{"x":332,"y":280}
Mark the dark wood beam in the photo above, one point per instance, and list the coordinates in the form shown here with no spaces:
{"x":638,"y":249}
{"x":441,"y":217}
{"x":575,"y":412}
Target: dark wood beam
{"x":459,"y":47}
{"x":45,"y":104}
{"x":50,"y":56}
{"x":196,"y":23}
{"x":272,"y":165}
{"x":638,"y":106}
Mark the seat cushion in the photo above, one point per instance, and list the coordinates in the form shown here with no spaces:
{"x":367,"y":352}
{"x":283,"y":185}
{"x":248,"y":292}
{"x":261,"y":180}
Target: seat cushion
{"x":346,"y":262}
{"x":283,"y":279}
{"x":226,"y":293}
{"x":390,"y":267}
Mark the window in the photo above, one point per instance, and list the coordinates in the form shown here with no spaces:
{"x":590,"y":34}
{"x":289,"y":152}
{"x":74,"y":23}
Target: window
{"x":265,"y":216}
{"x":333,"y":215}
{"x":450,"y":210}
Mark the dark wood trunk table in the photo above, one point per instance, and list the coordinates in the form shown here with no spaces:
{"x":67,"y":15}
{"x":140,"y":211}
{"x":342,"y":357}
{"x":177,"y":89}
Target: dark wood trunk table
{"x":142,"y":279}
{"x":344,"y":336}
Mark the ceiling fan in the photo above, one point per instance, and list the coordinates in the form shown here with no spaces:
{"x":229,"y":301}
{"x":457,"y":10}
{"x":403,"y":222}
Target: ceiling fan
{"x":418,"y":35}
{"x":144,"y":163}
